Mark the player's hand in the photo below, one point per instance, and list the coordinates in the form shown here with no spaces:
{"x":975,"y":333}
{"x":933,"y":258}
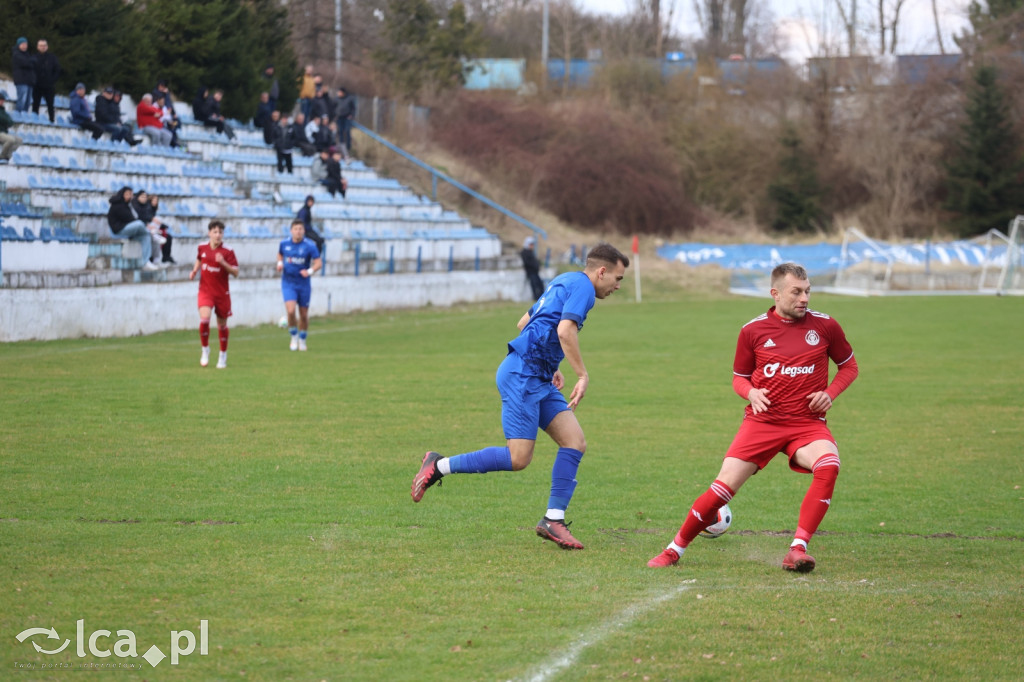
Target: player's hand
{"x":220,"y":259}
{"x":558,"y":380}
{"x":280,"y":266}
{"x":578,"y":391}
{"x":758,"y":398}
{"x":819,"y":402}
{"x":192,"y":275}
{"x":307,"y":274}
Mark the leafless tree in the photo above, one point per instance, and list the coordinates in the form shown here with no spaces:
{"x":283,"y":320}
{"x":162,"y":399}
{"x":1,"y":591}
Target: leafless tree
{"x":938,"y":28}
{"x":723,"y":25}
{"x":849,"y":19}
{"x":889,"y":20}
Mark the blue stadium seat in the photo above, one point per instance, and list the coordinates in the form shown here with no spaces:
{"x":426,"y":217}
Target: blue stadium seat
{"x":28,"y":235}
{"x":45,"y":234}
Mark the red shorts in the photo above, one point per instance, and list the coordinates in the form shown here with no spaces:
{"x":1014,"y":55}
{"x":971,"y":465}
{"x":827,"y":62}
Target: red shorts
{"x":759,"y":442}
{"x":221,"y":304}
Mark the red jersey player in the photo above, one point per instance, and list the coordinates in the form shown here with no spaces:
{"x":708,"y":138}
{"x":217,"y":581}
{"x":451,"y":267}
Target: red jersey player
{"x":781,"y":367}
{"x":217,"y":263}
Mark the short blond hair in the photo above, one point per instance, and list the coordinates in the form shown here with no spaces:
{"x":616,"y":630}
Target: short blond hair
{"x":780,"y":271}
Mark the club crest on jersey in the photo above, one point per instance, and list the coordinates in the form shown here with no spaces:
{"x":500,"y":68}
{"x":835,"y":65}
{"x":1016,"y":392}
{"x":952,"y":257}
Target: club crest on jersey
{"x":812,"y":338}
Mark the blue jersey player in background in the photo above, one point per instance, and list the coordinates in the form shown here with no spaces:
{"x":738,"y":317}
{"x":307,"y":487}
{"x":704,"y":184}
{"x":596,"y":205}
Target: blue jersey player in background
{"x":297,"y":260}
{"x":530,"y":384}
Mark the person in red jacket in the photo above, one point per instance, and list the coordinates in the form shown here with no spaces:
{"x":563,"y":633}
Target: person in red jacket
{"x":147,"y":117}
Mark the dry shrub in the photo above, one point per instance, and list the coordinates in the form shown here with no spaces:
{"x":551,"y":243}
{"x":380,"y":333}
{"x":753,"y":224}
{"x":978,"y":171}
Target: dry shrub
{"x":587,"y":165}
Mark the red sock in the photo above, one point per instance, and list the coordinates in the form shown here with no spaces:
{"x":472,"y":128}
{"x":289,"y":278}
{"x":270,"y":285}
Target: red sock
{"x":204,"y":333}
{"x":704,"y":512}
{"x":222,"y":334}
{"x":819,"y":496}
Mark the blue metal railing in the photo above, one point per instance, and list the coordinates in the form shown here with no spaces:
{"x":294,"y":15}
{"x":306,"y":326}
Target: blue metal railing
{"x":436,"y":175}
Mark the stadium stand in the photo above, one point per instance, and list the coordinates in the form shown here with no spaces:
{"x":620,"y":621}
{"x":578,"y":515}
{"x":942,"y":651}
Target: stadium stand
{"x":54,"y":200}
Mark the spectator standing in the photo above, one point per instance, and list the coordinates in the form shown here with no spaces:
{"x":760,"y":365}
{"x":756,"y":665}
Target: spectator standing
{"x":217,"y":263}
{"x":321,"y":105}
{"x":300,"y":136}
{"x":307,"y":89}
{"x":125,"y":223}
{"x":531,"y":265}
{"x":270,"y":125}
{"x":108,"y":117}
{"x":23,"y":73}
{"x":297,"y":260}
{"x":147,"y":117}
{"x":335,"y":183}
{"x":214,"y":118}
{"x":283,"y":143}
{"x":81,"y":115}
{"x":8,"y":142}
{"x":305,"y":214}
{"x":47,"y":72}
{"x":263,"y":111}
{"x":344,"y":115}
{"x":273,"y":88}
{"x":147,"y":214}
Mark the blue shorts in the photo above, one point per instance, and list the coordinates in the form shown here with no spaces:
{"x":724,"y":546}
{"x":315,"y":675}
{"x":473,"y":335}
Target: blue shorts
{"x":296,"y":291}
{"x":527,"y":402}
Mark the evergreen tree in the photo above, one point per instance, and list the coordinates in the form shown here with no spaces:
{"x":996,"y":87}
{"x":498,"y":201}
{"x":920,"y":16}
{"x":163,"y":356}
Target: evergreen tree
{"x":984,"y":175}
{"x":98,"y":42}
{"x":795,"y":193}
{"x":424,"y":53}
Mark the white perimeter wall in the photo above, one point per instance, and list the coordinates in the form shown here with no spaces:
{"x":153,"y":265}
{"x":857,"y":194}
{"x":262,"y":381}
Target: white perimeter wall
{"x":132,"y":309}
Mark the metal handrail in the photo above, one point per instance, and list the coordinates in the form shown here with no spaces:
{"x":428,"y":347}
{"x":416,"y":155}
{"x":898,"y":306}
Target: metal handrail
{"x":436,"y":174}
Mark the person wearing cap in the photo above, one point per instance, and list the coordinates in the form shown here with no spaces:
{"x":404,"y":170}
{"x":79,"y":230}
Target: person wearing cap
{"x":8,"y":142}
{"x":531,"y":265}
{"x":23,"y":73}
{"x":81,"y":115}
{"x":47,"y":72}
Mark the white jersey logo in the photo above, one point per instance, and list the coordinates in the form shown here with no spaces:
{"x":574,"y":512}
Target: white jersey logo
{"x":773,"y":368}
{"x":812,"y":338}
{"x":769,"y":344}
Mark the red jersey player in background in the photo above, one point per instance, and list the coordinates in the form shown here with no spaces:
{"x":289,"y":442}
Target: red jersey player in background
{"x":217,"y":263}
{"x":781,"y":367}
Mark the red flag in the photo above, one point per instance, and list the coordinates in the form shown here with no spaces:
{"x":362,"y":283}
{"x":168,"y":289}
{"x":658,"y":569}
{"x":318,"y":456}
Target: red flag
{"x":636,"y":244}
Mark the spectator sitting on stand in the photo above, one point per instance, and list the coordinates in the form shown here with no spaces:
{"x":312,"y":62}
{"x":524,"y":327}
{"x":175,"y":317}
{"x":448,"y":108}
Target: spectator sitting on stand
{"x":305,"y":214}
{"x":81,"y":116}
{"x":300,"y":136}
{"x":165,"y":248}
{"x":125,"y":223}
{"x":214,"y":118}
{"x":168,"y":117}
{"x":147,"y":214}
{"x":324,"y":137}
{"x":147,"y":117}
{"x":270,"y":125}
{"x":335,"y":183}
{"x":108,"y":117}
{"x":8,"y":142}
{"x":318,"y":169}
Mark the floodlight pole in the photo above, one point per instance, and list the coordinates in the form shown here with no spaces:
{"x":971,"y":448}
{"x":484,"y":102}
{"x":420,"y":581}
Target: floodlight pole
{"x":337,"y":35}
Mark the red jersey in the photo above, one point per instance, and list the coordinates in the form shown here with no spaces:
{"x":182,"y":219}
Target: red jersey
{"x":790,"y":358}
{"x":213,"y":279}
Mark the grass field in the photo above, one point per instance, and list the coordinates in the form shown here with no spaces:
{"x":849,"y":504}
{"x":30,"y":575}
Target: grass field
{"x":141,"y":493}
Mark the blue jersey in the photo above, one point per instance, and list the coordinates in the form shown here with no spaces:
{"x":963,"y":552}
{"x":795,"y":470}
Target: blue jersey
{"x":568,"y":297}
{"x":297,"y":257}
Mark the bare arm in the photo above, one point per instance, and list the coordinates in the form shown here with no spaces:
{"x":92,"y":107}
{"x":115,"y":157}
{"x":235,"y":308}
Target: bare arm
{"x":317,"y":264}
{"x":195,"y":269}
{"x":523,"y":321}
{"x":568,"y":336}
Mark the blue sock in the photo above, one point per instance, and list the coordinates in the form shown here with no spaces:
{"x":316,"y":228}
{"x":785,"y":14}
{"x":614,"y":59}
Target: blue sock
{"x":302,"y":335}
{"x":293,"y":330}
{"x":563,"y":477}
{"x":480,"y":462}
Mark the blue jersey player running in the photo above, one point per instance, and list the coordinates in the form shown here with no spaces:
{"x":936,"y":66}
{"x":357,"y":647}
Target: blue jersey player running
{"x":297,"y":259}
{"x":530,"y":384}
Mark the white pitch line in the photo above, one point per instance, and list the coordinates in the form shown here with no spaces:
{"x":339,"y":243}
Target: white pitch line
{"x":597,"y":634}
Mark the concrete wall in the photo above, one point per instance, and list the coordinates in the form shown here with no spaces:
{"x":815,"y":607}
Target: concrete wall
{"x":133,"y":309}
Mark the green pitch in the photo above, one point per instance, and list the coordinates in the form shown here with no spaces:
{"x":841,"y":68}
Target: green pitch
{"x":141,"y":493}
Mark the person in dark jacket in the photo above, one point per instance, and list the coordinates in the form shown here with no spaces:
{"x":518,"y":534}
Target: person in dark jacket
{"x":214,"y":119}
{"x":270,"y":125}
{"x":23,"y":73}
{"x":47,"y":72}
{"x":145,"y":208}
{"x":300,"y":136}
{"x":263,"y":111}
{"x":344,"y":115}
{"x":108,"y":116}
{"x":273,"y":88}
{"x":305,"y":214}
{"x":335,"y":183}
{"x":199,"y":104}
{"x":8,"y":141}
{"x":81,"y":115}
{"x":531,"y":265}
{"x":284,"y":135}
{"x":125,"y":223}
